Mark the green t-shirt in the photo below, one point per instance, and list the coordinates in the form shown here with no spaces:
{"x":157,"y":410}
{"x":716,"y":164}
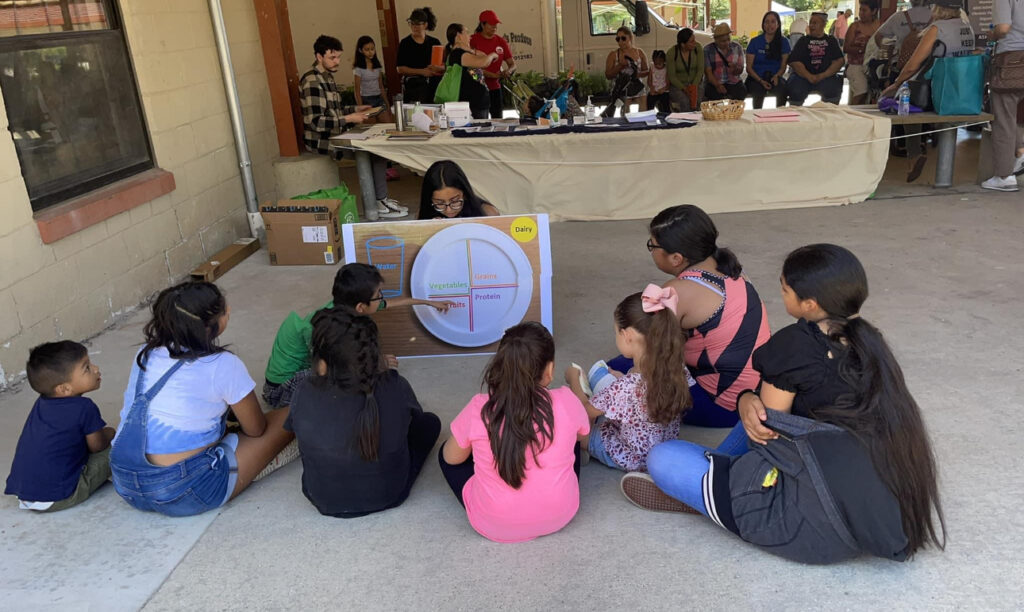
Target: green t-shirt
{"x":291,"y":350}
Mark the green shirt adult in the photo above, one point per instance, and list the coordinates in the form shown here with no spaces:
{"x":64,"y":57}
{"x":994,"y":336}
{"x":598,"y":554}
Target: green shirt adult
{"x":683,"y":71}
{"x":292,"y":347}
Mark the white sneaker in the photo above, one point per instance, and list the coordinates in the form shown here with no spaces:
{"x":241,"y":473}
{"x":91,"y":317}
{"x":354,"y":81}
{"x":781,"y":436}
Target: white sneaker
{"x":996,"y":183}
{"x":384,"y":212}
{"x":1018,"y":168}
{"x":394,"y":205}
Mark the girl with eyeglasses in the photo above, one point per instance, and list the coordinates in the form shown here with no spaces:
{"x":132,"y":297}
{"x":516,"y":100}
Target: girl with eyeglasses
{"x":447,"y":194}
{"x":419,"y":77}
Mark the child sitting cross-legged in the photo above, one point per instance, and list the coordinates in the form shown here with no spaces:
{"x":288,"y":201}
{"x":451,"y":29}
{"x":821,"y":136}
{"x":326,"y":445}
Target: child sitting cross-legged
{"x":643,"y":407}
{"x":356,"y":285}
{"x":63,"y":454}
{"x":363,"y":436}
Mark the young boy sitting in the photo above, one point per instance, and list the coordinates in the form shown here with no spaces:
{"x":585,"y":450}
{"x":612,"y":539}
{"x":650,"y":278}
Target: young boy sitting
{"x":63,"y":453}
{"x":356,"y":285}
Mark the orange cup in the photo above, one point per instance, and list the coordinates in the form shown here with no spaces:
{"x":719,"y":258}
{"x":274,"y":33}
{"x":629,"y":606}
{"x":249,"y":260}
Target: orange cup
{"x":437,"y":55}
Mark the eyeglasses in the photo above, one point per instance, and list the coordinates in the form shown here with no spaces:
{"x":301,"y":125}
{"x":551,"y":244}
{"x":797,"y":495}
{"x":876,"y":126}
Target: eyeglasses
{"x":455,"y":204}
{"x":621,"y":38}
{"x":380,"y":298}
{"x":651,"y":246}
{"x":415,"y":23}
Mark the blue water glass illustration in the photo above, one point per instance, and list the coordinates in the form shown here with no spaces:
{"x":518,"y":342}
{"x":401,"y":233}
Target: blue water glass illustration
{"x":387,"y":253}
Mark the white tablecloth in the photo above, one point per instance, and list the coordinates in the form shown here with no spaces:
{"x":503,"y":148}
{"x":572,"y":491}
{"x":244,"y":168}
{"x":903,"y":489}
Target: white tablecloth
{"x":833,"y":155}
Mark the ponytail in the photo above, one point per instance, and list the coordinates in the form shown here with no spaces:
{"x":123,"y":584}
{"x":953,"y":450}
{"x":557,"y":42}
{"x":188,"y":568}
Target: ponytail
{"x":518,"y":413}
{"x":186,"y":321}
{"x":662,"y":366}
{"x":346,"y":342}
{"x":727,"y":262}
{"x":450,"y":34}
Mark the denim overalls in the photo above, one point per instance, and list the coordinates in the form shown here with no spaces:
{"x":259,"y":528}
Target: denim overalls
{"x":197,"y":484}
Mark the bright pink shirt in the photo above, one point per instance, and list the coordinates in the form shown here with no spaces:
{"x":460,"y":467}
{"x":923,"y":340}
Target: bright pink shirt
{"x":550,"y":494}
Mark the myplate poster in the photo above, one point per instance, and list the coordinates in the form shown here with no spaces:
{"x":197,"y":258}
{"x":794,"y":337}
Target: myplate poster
{"x":495,"y":270}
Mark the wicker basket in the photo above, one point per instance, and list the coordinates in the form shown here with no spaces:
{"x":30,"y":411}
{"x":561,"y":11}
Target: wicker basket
{"x":721,"y":110}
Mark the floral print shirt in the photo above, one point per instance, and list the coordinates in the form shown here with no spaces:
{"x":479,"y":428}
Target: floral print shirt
{"x":627,"y":432}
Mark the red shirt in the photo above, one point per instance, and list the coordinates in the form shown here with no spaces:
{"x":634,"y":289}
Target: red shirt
{"x":494,"y":44}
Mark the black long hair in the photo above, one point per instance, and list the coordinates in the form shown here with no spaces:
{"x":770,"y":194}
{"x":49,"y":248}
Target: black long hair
{"x":186,"y":321}
{"x":346,"y":342}
{"x":689,"y":231}
{"x":882,"y":413}
{"x":518,"y":413}
{"x":662,"y":366}
{"x":774,"y":48}
{"x":683,"y":36}
{"x":359,"y":61}
{"x":446,"y":173}
{"x":454,"y":29}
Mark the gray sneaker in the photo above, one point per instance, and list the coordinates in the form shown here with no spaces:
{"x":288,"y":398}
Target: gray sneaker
{"x":384,"y":212}
{"x":393,"y":205}
{"x":1000,"y":183}
{"x":640,"y":489}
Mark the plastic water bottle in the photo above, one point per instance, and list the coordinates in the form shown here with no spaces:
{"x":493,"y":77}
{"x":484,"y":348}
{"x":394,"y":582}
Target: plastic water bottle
{"x":903,"y":96}
{"x":590,"y":111}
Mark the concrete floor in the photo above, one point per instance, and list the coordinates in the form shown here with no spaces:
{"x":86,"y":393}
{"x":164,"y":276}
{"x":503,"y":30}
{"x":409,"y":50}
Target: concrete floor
{"x":945,"y":274}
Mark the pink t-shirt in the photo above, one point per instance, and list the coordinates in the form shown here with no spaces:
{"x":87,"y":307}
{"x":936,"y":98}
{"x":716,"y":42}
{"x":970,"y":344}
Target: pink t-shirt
{"x":550,"y":494}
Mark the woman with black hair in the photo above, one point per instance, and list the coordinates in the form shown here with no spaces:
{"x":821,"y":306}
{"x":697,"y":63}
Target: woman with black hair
{"x":362,"y":433}
{"x":767,"y":55}
{"x":832,"y":458}
{"x":458,"y":52}
{"x":446,"y":193}
{"x":720,"y":312}
{"x":685,"y":65}
{"x":171,"y":454}
{"x":419,"y":76}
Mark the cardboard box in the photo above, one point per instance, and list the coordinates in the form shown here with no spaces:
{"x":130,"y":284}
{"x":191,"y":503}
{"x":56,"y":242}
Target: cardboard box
{"x":225,"y":259}
{"x":297,"y":238}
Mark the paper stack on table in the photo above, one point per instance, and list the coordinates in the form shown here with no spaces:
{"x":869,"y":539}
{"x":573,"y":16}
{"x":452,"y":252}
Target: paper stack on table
{"x":780,"y":115}
{"x":681,"y":117}
{"x":642,"y":116}
{"x":458,"y":113}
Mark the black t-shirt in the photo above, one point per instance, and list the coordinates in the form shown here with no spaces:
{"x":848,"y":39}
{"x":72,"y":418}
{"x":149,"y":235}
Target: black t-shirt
{"x":415,"y":55}
{"x":800,"y":359}
{"x":334,"y":475}
{"x":816,"y":54}
{"x":470,"y":89}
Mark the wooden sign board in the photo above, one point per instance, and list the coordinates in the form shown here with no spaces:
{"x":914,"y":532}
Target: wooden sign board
{"x":495,"y":270}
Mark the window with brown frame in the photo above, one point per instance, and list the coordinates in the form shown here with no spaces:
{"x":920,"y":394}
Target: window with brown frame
{"x":72,"y":102}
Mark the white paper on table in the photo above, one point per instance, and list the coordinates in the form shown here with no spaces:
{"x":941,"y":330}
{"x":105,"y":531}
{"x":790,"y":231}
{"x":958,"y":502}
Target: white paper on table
{"x":421,"y":122}
{"x":692,"y":116}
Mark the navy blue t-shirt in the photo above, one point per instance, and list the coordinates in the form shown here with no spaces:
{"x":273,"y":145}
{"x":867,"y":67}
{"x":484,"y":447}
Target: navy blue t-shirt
{"x":52,"y":450}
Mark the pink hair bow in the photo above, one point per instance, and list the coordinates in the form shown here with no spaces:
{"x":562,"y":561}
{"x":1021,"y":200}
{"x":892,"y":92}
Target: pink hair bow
{"x":655,"y":298}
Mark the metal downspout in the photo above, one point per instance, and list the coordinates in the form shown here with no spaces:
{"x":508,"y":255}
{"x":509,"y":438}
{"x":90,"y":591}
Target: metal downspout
{"x":237,"y":125}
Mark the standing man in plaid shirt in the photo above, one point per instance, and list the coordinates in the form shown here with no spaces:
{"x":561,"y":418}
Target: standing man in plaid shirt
{"x":323,"y":116}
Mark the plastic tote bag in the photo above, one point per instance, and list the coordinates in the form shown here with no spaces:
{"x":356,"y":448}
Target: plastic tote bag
{"x":347,"y":212}
{"x":957,"y":84}
{"x":448,"y":88}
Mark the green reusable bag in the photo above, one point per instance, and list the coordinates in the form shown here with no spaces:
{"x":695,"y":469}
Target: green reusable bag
{"x":347,"y":212}
{"x":448,"y":88}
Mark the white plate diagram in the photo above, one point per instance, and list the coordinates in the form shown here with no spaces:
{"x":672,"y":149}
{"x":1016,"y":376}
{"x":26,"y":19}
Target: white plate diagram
{"x":484,"y":272}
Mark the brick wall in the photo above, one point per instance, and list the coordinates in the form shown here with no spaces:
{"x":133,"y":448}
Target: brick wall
{"x":77,"y":286}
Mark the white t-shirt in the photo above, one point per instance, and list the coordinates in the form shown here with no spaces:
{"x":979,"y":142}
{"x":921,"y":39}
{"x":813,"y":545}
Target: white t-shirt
{"x":188,"y":413}
{"x":1011,"y":12}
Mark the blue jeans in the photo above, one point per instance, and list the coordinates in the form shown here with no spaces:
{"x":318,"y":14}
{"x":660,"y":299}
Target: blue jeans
{"x":373,"y":100}
{"x":596,"y":446}
{"x":202,"y":482}
{"x":678,"y":467}
{"x":703,"y":413}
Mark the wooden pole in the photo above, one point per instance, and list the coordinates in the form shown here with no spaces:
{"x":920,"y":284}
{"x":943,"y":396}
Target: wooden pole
{"x":282,"y":73}
{"x":388,"y":20}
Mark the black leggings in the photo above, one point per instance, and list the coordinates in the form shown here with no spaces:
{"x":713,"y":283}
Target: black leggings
{"x":423,"y":433}
{"x":459,"y":474}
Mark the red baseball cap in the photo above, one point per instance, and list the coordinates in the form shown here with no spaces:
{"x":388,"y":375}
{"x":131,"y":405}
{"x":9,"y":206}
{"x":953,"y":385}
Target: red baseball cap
{"x":489,"y":17}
